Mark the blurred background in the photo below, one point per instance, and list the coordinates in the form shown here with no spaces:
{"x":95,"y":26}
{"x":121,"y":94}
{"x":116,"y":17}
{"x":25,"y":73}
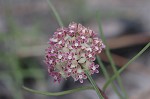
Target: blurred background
{"x":25,"y":28}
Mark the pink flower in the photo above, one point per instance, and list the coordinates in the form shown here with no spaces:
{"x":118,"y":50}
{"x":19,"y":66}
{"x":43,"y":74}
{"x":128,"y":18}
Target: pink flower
{"x":71,"y":51}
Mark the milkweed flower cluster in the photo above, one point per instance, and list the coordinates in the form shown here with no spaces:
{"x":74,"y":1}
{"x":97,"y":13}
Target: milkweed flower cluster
{"x":71,"y":51}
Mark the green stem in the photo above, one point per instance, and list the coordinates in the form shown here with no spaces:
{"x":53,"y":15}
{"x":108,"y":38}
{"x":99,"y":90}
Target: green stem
{"x":58,"y":93}
{"x":125,"y":66}
{"x":102,"y":67}
{"x":111,"y":60}
{"x":94,"y":85}
{"x":55,"y":13}
{"x":107,"y":75}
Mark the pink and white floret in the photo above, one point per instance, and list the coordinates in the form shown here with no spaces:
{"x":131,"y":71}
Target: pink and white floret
{"x":71,"y":51}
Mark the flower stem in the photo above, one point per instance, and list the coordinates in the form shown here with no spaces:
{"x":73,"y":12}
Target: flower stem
{"x":94,"y":85}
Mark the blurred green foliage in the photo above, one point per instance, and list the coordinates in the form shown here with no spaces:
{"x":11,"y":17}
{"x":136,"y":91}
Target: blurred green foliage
{"x":12,"y":73}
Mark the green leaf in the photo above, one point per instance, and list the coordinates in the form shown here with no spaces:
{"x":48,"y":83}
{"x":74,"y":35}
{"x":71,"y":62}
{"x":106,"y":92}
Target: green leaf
{"x":125,"y":66}
{"x":106,"y":74}
{"x":55,"y":13}
{"x":58,"y":93}
{"x":108,"y":53}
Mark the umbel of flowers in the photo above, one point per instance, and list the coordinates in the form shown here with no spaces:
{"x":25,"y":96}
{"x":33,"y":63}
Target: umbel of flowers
{"x":71,"y":51}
